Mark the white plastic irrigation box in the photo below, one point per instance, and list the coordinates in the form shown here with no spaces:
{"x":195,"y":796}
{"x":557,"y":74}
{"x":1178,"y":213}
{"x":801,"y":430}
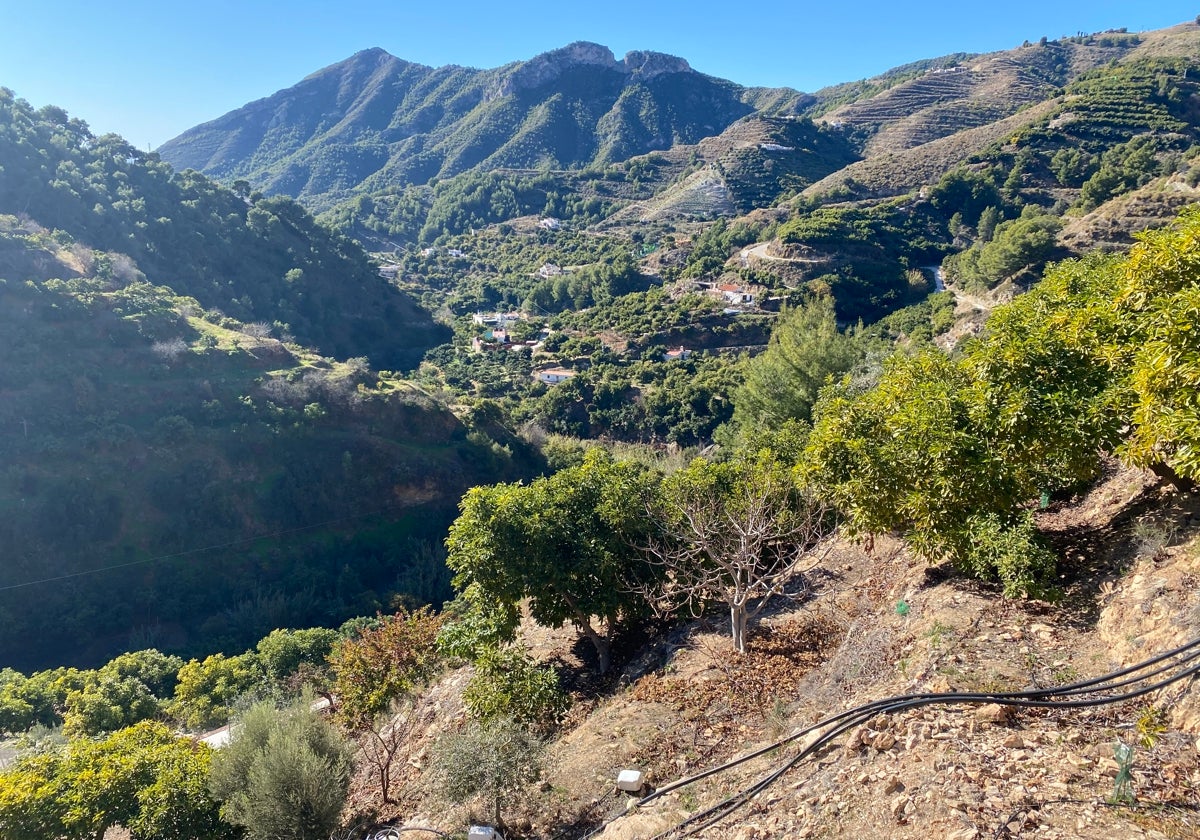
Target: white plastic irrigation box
{"x":483,"y":832}
{"x":631,"y":781}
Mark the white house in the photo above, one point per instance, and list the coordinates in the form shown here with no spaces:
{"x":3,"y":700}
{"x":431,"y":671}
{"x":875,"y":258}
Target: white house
{"x":552,"y":376}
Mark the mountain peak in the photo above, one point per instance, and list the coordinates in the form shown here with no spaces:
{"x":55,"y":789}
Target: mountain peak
{"x":649,"y":64}
{"x":545,"y":68}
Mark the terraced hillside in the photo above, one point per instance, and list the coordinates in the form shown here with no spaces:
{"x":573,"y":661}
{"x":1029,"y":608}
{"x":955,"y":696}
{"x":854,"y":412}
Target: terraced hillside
{"x":751,"y":164}
{"x":961,"y":94}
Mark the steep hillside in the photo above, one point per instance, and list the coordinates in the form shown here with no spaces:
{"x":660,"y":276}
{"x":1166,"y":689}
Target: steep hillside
{"x":751,"y":164}
{"x":181,"y":479}
{"x":254,"y":260}
{"x":375,"y":121}
{"x":923,"y":102}
{"x":869,"y":625}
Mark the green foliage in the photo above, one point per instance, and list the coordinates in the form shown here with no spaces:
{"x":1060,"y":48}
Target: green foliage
{"x":381,"y":664}
{"x":37,"y":700}
{"x":1044,"y":397}
{"x":996,"y":547}
{"x":806,"y":349}
{"x":1100,"y":356}
{"x":733,"y":533}
{"x":647,"y":401}
{"x":101,"y":374}
{"x":207,"y":691}
{"x":476,"y":623}
{"x":507,"y":683}
{"x":967,"y":192}
{"x":108,"y":703}
{"x":157,"y":671}
{"x":283,"y":652}
{"x":869,"y":251}
{"x":1157,"y":307}
{"x":284,"y":773}
{"x":587,"y":286}
{"x":203,"y":239}
{"x":1016,"y":245}
{"x":903,"y":454}
{"x":562,"y":541}
{"x":920,"y":452}
{"x":142,"y":778}
{"x":492,"y":759}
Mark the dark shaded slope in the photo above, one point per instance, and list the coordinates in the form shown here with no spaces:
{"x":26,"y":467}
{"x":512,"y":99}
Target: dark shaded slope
{"x":181,"y":481}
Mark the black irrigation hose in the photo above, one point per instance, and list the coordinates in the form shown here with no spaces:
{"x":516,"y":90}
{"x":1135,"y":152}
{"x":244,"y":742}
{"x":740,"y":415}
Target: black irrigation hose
{"x":843,"y":721}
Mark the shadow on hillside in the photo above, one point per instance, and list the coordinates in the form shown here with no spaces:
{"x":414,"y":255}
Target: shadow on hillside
{"x":643,"y":647}
{"x":1097,"y":538}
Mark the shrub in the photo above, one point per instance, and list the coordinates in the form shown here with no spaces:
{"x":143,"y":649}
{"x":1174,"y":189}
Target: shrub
{"x":508,"y":683}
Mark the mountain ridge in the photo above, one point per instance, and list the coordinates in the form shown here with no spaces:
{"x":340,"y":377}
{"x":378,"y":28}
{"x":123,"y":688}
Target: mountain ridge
{"x":374,"y":118}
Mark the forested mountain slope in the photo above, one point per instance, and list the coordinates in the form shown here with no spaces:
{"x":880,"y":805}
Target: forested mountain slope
{"x":181,"y":479}
{"x":257,"y":261}
{"x":374,"y":120}
{"x":181,"y":468}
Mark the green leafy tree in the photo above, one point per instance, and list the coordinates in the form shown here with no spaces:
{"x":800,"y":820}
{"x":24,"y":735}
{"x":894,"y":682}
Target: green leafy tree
{"x":108,"y":703}
{"x":284,"y":773}
{"x":142,"y":778}
{"x":562,"y":541}
{"x":157,"y":671}
{"x":1157,"y":307}
{"x":283,"y":652}
{"x":910,"y":455}
{"x":1043,"y":395}
{"x":207,"y":690}
{"x":39,"y":699}
{"x":806,"y":349}
{"x":508,"y":683}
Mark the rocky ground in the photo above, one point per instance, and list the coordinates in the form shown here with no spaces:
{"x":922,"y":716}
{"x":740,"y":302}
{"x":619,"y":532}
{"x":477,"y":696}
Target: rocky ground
{"x":869,"y":626}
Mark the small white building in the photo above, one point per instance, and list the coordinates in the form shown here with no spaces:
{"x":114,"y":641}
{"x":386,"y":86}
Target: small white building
{"x":552,"y":376}
{"x":677,"y":353}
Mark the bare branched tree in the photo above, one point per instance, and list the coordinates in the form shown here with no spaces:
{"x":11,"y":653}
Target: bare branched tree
{"x":735,"y":533}
{"x":392,"y":736}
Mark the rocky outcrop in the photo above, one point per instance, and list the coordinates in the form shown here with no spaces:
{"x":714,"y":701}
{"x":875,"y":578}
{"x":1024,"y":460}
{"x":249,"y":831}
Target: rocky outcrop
{"x":548,"y":67}
{"x":647,"y":64}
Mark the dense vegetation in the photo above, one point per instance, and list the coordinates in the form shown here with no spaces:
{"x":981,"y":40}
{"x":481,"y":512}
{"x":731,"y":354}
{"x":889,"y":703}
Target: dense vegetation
{"x":177,"y":458}
{"x":254,"y":259}
{"x":204,"y":466}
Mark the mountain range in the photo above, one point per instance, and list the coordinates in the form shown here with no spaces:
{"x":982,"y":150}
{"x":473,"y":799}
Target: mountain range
{"x":647,"y":138}
{"x":374,"y":120}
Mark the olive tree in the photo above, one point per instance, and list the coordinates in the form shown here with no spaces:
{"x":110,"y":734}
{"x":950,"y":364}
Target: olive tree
{"x":284,"y":773}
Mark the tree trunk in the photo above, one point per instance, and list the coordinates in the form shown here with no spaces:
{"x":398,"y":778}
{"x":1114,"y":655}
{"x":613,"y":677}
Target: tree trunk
{"x":738,"y":619}
{"x":1167,"y":474}
{"x":602,"y":645}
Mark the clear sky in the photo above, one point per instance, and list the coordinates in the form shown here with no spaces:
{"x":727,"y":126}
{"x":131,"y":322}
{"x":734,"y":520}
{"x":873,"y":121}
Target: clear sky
{"x":149,"y":70}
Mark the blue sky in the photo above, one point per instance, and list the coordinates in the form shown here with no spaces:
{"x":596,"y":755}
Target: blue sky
{"x":149,"y":70}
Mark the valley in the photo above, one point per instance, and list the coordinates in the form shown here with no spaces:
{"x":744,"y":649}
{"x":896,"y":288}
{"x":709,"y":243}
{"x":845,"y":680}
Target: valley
{"x":588,"y":414}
